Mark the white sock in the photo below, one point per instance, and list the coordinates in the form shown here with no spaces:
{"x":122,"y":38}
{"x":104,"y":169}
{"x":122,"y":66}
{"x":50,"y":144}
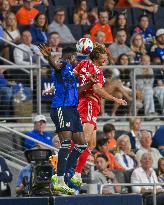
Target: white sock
{"x":61,"y":180}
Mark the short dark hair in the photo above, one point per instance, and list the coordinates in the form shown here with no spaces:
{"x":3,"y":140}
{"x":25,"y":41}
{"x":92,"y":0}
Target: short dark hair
{"x":108,"y":127}
{"x":142,"y":16}
{"x":68,"y":50}
{"x":101,"y":142}
{"x":121,"y":29}
{"x":58,"y":9}
{"x":53,"y":33}
{"x":102,"y":156}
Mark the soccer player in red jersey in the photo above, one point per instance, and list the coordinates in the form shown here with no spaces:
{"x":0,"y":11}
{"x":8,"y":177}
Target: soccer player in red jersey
{"x":89,"y":99}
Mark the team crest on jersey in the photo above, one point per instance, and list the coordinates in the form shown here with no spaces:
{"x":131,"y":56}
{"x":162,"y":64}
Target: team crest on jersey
{"x":67,"y":124}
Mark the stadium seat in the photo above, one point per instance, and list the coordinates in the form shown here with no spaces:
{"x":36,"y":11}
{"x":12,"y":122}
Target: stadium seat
{"x":91,"y":3}
{"x":100,"y":3}
{"x":64,"y":3}
{"x":76,"y":30}
{"x":127,"y":175}
{"x":136,"y":13}
{"x":159,"y":17}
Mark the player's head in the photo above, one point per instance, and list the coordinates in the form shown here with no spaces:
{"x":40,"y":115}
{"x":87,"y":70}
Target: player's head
{"x":69,"y":55}
{"x":99,"y":54}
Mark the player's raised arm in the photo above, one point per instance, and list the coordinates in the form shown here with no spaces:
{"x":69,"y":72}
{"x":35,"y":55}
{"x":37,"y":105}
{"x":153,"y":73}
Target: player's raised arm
{"x":101,"y":92}
{"x":53,"y":60}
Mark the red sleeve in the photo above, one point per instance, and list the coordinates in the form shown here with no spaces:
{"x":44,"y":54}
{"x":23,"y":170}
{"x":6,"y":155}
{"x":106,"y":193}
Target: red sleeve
{"x":78,"y":67}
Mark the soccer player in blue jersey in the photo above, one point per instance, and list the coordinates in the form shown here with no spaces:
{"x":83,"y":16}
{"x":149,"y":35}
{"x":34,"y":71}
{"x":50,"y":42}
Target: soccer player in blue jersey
{"x":65,"y":116}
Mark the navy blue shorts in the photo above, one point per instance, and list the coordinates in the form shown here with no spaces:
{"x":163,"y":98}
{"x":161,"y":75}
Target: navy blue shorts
{"x":66,"y":119}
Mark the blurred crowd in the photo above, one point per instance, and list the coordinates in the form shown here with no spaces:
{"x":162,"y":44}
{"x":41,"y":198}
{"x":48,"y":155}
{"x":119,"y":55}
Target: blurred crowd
{"x":132,"y":32}
{"x":135,"y":155}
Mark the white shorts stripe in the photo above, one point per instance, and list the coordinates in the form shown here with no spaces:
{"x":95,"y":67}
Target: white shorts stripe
{"x":60,"y":117}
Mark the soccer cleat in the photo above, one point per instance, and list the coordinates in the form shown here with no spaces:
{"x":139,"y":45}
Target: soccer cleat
{"x":76,"y":180}
{"x":62,"y":188}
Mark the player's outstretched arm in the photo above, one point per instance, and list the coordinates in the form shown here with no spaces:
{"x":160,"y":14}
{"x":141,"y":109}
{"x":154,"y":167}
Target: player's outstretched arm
{"x":101,"y":92}
{"x":53,"y":60}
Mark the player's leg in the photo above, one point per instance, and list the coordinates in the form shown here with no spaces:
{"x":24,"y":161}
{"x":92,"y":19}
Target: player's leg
{"x":58,"y":116}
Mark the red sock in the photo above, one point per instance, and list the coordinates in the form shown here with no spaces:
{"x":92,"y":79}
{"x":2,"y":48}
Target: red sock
{"x":82,"y":160}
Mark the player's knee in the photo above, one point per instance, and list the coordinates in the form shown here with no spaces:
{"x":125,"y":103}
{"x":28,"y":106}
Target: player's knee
{"x":81,"y":147}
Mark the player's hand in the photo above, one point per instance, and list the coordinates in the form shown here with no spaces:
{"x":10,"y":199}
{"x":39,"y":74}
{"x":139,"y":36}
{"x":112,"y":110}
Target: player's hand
{"x":48,"y":91}
{"x":45,"y":50}
{"x":121,"y":102}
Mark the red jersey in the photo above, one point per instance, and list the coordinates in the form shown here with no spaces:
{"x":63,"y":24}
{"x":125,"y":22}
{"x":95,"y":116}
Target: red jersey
{"x":84,"y":69}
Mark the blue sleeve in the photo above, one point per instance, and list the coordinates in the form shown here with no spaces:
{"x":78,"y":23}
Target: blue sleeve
{"x":34,"y":34}
{"x":28,"y":144}
{"x":20,"y":178}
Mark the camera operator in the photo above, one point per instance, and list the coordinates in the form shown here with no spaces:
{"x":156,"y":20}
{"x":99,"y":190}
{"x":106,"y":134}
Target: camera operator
{"x":23,"y":180}
{"x":35,"y":178}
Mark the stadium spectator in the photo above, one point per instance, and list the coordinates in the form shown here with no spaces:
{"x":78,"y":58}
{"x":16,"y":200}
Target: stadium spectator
{"x":80,"y":16}
{"x":144,"y":83}
{"x":158,"y":82}
{"x":93,"y":16}
{"x":56,"y":141}
{"x":11,"y":33}
{"x":39,"y":29}
{"x":5,"y":95}
{"x":125,"y":157}
{"x":146,"y":31}
{"x":57,"y":25}
{"x":85,"y":175}
{"x":121,"y":23}
{"x":109,"y":132}
{"x":4,"y":10}
{"x":5,"y":178}
{"x":137,"y":46}
{"x":146,"y":142}
{"x":23,"y":58}
{"x":102,"y":25}
{"x":124,"y":73}
{"x":100,"y":37}
{"x":26,"y":14}
{"x":102,"y":148}
{"x":158,"y":49}
{"x":53,"y":42}
{"x":158,"y":139}
{"x":109,"y":6}
{"x":146,"y":174}
{"x":161,"y":170}
{"x":148,"y":5}
{"x":23,"y":181}
{"x":119,"y":46}
{"x":135,"y":134}
{"x":38,"y":133}
{"x":103,"y":175}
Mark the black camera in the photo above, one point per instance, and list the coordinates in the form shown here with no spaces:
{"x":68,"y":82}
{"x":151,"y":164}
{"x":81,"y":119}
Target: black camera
{"x":41,"y":171}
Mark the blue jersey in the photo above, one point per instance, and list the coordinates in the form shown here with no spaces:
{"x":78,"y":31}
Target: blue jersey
{"x":160,"y":52}
{"x":65,"y":83}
